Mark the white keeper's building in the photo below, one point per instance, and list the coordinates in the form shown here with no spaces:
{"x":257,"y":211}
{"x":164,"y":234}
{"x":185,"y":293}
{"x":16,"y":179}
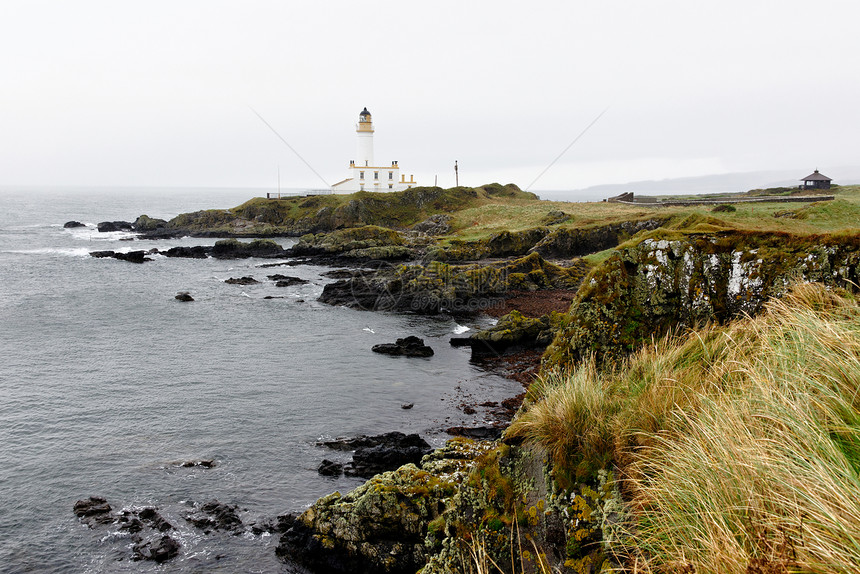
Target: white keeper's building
{"x":364,"y":174}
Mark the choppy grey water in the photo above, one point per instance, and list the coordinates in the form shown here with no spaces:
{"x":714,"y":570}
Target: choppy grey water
{"x":107,"y":383}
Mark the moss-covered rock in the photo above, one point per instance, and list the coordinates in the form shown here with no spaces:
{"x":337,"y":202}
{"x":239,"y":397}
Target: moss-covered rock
{"x":233,"y":248}
{"x":515,"y":332}
{"x":502,"y":244}
{"x":435,"y":287}
{"x":575,"y":242}
{"x":383,"y":525}
{"x":146,"y":223}
{"x":511,"y":510}
{"x":661,"y":284}
{"x":368,"y":242}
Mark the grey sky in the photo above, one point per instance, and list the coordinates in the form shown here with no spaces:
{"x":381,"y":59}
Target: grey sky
{"x":158,"y":93}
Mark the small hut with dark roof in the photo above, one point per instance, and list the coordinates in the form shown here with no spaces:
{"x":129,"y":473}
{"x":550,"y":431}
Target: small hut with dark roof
{"x":816,"y":180}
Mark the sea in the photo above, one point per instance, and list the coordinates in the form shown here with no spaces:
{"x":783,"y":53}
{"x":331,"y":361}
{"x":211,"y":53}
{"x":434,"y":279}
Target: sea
{"x":108,"y":384}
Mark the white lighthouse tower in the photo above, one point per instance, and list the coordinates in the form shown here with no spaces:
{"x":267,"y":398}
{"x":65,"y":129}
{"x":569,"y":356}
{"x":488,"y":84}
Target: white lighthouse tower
{"x":364,"y":129}
{"x":364,"y":174}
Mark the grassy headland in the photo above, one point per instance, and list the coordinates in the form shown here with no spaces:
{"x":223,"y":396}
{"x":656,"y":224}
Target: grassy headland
{"x":697,"y":410}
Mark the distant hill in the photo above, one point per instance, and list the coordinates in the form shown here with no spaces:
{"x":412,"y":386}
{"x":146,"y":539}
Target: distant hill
{"x":724,"y":182}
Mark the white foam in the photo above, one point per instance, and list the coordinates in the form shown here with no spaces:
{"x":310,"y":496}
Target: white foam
{"x":75,"y":252}
{"x":460,"y":329}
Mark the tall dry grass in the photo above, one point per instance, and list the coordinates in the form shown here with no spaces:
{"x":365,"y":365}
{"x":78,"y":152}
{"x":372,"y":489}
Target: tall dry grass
{"x":740,"y":445}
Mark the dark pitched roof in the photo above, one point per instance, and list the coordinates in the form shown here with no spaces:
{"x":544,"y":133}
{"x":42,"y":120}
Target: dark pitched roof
{"x":815,"y":176}
{"x":364,"y":112}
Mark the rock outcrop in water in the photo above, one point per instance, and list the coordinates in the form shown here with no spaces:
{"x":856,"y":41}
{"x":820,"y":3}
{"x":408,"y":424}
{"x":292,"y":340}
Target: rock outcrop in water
{"x":406,"y":347}
{"x":214,"y":515}
{"x":145,"y":525}
{"x":375,"y":454}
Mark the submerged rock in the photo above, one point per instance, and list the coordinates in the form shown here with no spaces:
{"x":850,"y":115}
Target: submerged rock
{"x":408,"y":347}
{"x":73,"y":224}
{"x":158,"y":549}
{"x":214,"y":515}
{"x":184,"y":296}
{"x":93,"y":510}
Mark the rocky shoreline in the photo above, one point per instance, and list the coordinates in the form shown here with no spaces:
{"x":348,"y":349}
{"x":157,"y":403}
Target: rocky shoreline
{"x":437,"y":511}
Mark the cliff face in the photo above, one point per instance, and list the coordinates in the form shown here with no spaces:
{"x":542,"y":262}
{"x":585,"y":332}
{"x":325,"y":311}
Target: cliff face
{"x":661,"y":284}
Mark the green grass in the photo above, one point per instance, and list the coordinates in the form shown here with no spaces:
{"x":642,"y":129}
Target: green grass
{"x":740,"y":445}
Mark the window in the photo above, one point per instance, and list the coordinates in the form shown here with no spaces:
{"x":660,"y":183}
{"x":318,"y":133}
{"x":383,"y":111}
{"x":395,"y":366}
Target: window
{"x":390,"y":175}
{"x":390,"y":186}
{"x":375,"y":175}
{"x":361,"y":175}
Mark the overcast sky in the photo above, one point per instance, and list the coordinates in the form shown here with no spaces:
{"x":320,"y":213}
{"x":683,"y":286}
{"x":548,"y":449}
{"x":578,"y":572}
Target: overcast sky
{"x":161,"y":93}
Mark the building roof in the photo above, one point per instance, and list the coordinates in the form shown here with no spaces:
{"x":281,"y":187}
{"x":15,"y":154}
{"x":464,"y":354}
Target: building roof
{"x":364,"y":112}
{"x":815,"y":176}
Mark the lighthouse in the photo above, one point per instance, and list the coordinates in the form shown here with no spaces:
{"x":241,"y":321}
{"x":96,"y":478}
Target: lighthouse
{"x":365,"y":175}
{"x":364,"y":129}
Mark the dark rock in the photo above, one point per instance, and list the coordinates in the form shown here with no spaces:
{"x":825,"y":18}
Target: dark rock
{"x":203,"y":463}
{"x":480,"y":433}
{"x":95,"y":509}
{"x":184,"y":296}
{"x":290,"y":282}
{"x":408,"y":347}
{"x":215,"y":515}
{"x":330,"y":468}
{"x":73,"y":224}
{"x":286,"y":280}
{"x":469,"y":410}
{"x":299,"y":540}
{"x":130,"y":523}
{"x":407,"y":406}
{"x":375,"y":454}
{"x":134,"y":520}
{"x":154,"y":519}
{"x":259,"y":528}
{"x":235,"y":249}
{"x":461,"y":341}
{"x":157,"y":549}
{"x":247,"y":280}
{"x":369,"y":461}
{"x":106,"y":226}
{"x":131,"y":256}
{"x":195,"y":252}
{"x":391,"y":439}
